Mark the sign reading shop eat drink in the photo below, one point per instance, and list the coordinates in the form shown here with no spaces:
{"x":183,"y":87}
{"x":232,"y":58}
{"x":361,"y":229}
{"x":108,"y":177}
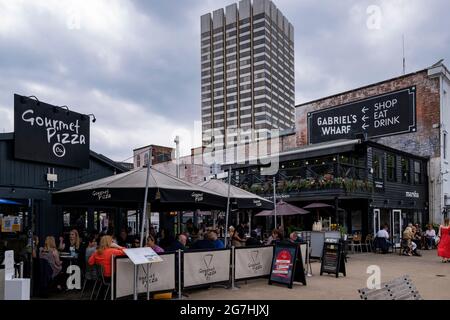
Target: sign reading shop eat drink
{"x":50,"y":134}
{"x":387,"y":114}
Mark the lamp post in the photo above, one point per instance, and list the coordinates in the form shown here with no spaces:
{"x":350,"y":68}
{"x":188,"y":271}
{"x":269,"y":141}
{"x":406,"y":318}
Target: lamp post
{"x":228,"y":206}
{"x":177,"y":156}
{"x":144,"y":212}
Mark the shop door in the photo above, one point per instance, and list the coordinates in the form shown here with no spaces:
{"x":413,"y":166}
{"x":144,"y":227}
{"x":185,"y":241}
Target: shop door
{"x":396,"y":227}
{"x":376,"y":221}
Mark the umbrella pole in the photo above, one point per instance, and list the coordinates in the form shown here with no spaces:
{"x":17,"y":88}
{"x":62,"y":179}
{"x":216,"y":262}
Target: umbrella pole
{"x":228,"y":206}
{"x":275,"y":201}
{"x":249,"y":222}
{"x":144,"y":212}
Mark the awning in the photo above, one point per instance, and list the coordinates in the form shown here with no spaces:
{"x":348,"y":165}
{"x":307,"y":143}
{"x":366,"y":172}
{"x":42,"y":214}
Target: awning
{"x":165,"y":192}
{"x":240,"y":199}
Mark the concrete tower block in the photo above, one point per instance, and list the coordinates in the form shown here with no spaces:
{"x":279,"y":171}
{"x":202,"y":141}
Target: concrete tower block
{"x":245,"y":8}
{"x":218,"y":18}
{"x":206,"y":22}
{"x":231,"y":14}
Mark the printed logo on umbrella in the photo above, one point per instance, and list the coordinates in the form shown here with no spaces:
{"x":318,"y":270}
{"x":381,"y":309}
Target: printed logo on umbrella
{"x":198,"y":197}
{"x":101,"y":195}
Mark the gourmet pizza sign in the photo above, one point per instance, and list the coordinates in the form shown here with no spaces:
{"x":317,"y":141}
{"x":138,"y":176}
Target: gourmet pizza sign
{"x":50,"y":134}
{"x":387,"y":114}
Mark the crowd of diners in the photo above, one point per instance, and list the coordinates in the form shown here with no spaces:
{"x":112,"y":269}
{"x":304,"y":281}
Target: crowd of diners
{"x":414,"y":239}
{"x":52,"y":257}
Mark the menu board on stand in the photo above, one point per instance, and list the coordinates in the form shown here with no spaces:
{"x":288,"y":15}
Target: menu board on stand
{"x":284,"y":263}
{"x":333,"y":261}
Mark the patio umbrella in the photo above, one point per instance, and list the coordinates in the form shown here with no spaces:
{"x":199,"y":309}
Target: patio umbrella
{"x":318,"y":206}
{"x":283,"y":209}
{"x":165,"y":192}
{"x":191,"y":214}
{"x":239,"y":198}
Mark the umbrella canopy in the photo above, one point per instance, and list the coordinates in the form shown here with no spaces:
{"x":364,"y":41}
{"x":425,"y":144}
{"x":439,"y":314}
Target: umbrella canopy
{"x":240,"y":198}
{"x":283,"y":209}
{"x":202,"y":213}
{"x":5,"y":201}
{"x":317,"y":205}
{"x":165,"y":192}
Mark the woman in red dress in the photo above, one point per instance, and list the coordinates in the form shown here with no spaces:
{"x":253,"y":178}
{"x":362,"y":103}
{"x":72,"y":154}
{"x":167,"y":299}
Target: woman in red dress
{"x":444,"y":243}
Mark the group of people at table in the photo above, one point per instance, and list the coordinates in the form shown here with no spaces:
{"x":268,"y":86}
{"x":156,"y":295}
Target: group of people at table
{"x":413,"y":238}
{"x":98,"y":249}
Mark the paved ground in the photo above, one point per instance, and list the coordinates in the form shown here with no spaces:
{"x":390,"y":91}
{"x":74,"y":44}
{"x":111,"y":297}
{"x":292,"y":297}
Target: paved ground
{"x":430,"y":275}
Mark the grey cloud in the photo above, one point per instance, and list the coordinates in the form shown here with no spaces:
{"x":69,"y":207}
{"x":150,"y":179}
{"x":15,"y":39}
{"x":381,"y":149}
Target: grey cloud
{"x":147,"y":67}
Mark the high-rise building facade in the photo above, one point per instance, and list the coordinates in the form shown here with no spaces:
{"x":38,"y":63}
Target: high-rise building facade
{"x":247,"y":72}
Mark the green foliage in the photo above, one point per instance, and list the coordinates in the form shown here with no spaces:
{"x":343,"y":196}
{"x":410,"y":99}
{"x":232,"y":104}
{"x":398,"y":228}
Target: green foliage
{"x":310,"y":184}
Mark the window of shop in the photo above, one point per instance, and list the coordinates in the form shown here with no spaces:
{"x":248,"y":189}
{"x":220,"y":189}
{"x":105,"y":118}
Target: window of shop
{"x":377,"y":166}
{"x":138,"y":160}
{"x":417,"y":172}
{"x":391,"y":168}
{"x":405,"y":170}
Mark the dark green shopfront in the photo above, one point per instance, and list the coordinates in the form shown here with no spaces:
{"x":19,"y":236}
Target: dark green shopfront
{"x":368,"y":185}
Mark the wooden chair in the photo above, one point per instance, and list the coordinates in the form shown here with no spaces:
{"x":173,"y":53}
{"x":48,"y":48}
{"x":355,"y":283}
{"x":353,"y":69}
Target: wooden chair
{"x":369,"y":242}
{"x":355,"y":243}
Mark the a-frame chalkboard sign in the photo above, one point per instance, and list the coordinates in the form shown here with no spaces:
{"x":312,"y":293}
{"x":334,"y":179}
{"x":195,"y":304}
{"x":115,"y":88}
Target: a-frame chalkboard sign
{"x":333,"y":260}
{"x":284,"y":264}
{"x":299,"y":273}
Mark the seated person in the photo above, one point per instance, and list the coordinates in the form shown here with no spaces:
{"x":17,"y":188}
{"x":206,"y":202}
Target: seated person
{"x":417,"y":237}
{"x":51,"y":255}
{"x":253,"y":240}
{"x":294,"y":238}
{"x":151,"y":243}
{"x":103,"y":255}
{"x":384,"y":234}
{"x":179,"y":243}
{"x":430,"y":236}
{"x":213,"y":237}
{"x":410,"y":246}
{"x":203,"y":244}
{"x":275,"y":238}
{"x":124,"y":239}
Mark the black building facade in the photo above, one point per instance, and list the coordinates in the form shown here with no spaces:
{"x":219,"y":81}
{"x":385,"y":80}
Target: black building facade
{"x":367,"y":183}
{"x":27,"y":187}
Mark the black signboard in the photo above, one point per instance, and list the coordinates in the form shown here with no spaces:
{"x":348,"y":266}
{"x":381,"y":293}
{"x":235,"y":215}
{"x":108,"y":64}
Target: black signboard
{"x":387,"y":114}
{"x":50,"y":134}
{"x":333,"y":260}
{"x":299,"y":273}
{"x":284,"y":264}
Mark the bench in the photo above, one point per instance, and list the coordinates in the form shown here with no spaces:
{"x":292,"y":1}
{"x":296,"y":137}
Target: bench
{"x":401,"y":288}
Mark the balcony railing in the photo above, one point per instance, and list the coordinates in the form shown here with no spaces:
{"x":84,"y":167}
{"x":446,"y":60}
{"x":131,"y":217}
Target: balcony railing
{"x":295,"y":186}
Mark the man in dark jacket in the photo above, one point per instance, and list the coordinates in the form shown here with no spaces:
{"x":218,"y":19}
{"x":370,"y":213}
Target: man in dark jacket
{"x":179,"y":243}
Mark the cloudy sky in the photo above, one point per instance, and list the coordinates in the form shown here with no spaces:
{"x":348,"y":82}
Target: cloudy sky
{"x":135,"y":64}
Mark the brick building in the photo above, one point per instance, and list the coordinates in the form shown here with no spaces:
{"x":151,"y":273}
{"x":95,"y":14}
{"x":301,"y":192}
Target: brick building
{"x":430,"y":139}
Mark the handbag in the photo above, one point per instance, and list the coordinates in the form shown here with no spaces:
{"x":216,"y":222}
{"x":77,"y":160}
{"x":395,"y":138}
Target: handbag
{"x":437,"y":239}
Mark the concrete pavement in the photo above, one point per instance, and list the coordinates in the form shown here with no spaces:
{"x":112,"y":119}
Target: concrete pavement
{"x":429,"y":274}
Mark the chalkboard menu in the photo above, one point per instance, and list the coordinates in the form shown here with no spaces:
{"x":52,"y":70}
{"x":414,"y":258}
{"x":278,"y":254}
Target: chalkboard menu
{"x":333,"y":261}
{"x":284,"y":264}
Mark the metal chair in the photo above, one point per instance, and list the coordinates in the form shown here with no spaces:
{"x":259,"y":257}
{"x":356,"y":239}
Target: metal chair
{"x":356,"y":242}
{"x":90,"y":275}
{"x":103,"y":283}
{"x":368,"y":242}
